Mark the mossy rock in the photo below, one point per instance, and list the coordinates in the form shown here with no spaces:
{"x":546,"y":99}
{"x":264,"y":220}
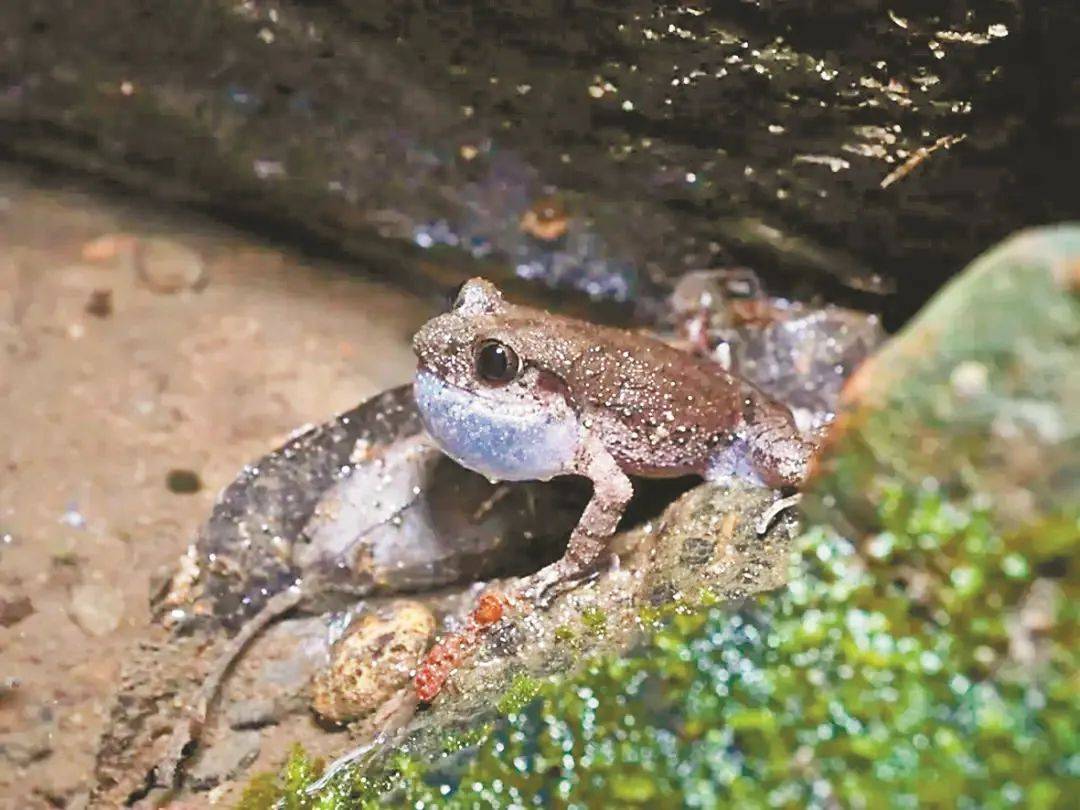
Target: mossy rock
{"x":979,"y":395}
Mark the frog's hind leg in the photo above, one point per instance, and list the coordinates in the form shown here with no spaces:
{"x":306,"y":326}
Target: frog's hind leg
{"x":612,"y":491}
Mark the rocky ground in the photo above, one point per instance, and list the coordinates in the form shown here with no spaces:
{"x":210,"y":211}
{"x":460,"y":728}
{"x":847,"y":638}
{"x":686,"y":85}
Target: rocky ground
{"x":144,"y":358}
{"x":929,"y":608}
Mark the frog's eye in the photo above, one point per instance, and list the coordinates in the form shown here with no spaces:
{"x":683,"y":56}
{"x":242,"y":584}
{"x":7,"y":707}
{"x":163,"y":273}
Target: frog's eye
{"x":496,"y":362}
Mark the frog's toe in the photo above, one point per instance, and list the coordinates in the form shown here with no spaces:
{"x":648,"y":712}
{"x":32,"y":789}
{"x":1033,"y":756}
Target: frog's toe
{"x":548,"y":584}
{"x":775,"y":508}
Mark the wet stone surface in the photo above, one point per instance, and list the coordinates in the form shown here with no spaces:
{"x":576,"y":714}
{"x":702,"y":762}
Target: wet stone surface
{"x":608,"y":149}
{"x":661,"y":566}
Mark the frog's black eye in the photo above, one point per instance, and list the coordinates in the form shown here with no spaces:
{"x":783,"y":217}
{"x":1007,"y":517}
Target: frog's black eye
{"x":496,"y":362}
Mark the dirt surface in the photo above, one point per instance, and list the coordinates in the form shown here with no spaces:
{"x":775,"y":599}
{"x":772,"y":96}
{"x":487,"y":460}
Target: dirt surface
{"x":144,"y":358}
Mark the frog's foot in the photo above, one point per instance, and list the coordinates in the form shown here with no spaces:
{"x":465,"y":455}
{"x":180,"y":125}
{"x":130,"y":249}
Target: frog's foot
{"x":548,"y":584}
{"x":770,"y":514}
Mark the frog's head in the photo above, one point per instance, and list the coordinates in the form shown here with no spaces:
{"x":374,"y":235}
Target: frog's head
{"x":460,"y":346}
{"x":482,"y":400}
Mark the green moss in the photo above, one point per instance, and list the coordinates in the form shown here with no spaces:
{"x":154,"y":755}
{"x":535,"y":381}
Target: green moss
{"x":651,"y":617}
{"x":888,"y":674}
{"x":594,"y":619}
{"x":522,"y":690}
{"x":564,"y":633}
{"x":261,"y":792}
{"x":708,"y":598}
{"x":456,"y":741}
{"x":265,"y":791}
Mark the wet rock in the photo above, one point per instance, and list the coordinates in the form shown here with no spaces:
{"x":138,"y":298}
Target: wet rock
{"x":253,"y":713}
{"x":606,"y":617}
{"x":167,"y":266}
{"x":284,"y":659}
{"x":14,"y":608}
{"x":225,"y":759}
{"x":272,"y":681}
{"x":452,"y":150}
{"x":96,"y":608}
{"x":26,"y":748}
{"x":374,"y":659}
{"x":603,"y":617}
{"x":799,"y":353}
{"x":977,"y":397}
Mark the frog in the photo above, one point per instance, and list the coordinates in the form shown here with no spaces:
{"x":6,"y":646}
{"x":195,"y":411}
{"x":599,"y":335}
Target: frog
{"x":518,"y":393}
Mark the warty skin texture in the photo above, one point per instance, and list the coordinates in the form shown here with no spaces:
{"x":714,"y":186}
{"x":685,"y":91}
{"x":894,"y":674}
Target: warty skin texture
{"x":594,"y":401}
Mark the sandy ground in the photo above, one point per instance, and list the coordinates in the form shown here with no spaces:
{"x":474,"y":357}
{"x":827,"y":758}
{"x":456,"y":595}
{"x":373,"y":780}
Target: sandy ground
{"x":142,"y":354}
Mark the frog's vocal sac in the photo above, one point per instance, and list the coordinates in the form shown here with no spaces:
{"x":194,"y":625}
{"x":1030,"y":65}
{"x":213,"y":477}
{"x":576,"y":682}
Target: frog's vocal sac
{"x":516,"y":393}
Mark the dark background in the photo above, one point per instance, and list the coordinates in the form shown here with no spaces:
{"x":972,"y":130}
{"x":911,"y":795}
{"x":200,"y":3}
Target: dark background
{"x":673,"y":136}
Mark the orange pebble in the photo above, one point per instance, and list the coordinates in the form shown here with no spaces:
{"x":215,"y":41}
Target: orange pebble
{"x":107,"y":247}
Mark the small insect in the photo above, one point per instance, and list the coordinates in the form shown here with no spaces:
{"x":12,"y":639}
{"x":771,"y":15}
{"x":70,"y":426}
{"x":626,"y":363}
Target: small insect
{"x":441,"y":661}
{"x":489,"y":609}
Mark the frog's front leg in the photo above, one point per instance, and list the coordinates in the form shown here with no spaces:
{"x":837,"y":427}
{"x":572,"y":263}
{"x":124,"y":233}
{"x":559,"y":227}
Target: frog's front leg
{"x":612,"y":491}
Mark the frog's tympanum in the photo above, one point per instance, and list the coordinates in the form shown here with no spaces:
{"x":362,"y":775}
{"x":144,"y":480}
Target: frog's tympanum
{"x":516,"y":393}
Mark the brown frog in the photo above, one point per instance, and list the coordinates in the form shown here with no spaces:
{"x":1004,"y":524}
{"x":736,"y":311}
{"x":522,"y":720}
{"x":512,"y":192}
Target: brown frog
{"x":517,"y":393}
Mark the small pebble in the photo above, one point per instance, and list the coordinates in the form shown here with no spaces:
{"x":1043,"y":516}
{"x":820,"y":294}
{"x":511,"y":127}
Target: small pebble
{"x":22,"y":749}
{"x":96,"y":608}
{"x":14,"y":609}
{"x":107,"y":247}
{"x":253,"y":713}
{"x":100,"y":304}
{"x":372,"y":660}
{"x":169,"y":267}
{"x":183,"y":482}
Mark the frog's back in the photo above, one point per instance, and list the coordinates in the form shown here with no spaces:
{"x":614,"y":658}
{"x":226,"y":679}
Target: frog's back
{"x":662,"y":412}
